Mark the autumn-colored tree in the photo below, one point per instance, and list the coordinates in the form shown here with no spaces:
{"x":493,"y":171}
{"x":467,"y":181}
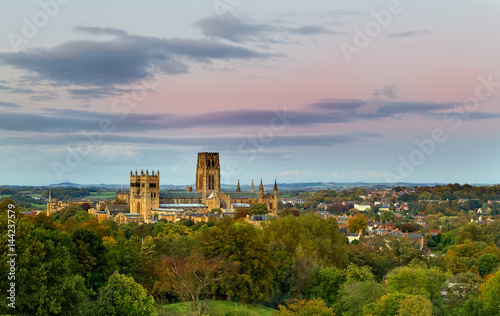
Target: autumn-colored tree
{"x":313,"y":307}
{"x":192,"y":278}
{"x":490,"y":294}
{"x":357,"y":223}
{"x":241,"y":212}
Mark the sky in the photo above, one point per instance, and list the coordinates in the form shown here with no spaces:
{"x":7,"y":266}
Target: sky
{"x":298,"y":91}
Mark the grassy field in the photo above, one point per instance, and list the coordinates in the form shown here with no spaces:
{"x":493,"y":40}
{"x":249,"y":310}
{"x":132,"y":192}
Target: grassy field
{"x":39,"y":206}
{"x":103,"y":195}
{"x":220,"y":308}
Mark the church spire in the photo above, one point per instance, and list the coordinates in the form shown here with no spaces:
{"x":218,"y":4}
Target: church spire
{"x":275,"y":186}
{"x":251,"y":188}
{"x":238,"y":189}
{"x":261,"y":192}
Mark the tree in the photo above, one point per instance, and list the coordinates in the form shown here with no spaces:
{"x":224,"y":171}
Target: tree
{"x":258,"y":209}
{"x":46,"y":280}
{"x":400,"y":304}
{"x":355,"y":295}
{"x":313,"y":307}
{"x":308,"y":235}
{"x":67,"y":212}
{"x":357,"y":223}
{"x":216,"y":211}
{"x":4,"y":205}
{"x":192,"y":278}
{"x":326,"y":283}
{"x":122,"y":256}
{"x":487,"y":263}
{"x":239,"y":242}
{"x":90,"y":254}
{"x":241,"y":212}
{"x":490,"y":294}
{"x":417,"y":280}
{"x":289,"y":211}
{"x":123,"y":296}
{"x":355,"y":273}
{"x":453,"y":264}
{"x":470,"y":233}
{"x":462,"y":286}
{"x":386,"y":216}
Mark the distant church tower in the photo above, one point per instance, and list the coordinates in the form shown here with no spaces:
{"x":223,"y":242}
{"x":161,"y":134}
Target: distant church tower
{"x":144,"y":193}
{"x":208,"y":173}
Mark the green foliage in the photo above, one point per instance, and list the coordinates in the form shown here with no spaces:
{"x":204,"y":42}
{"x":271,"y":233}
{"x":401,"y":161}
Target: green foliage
{"x":417,"y":280}
{"x":313,"y":307}
{"x":122,"y":296}
{"x":355,"y":273}
{"x":216,"y":211}
{"x":240,"y":244}
{"x":490,"y":294}
{"x":326,"y":284}
{"x":307,"y":235}
{"x":122,"y":256}
{"x":4,"y":205}
{"x":355,"y":295}
{"x":90,"y":254}
{"x":258,"y":209}
{"x":487,"y":263}
{"x":64,"y":214}
{"x":461,"y":287}
{"x":375,"y":253}
{"x":470,"y":233}
{"x":46,"y":280}
{"x":400,"y":304}
{"x":386,"y":216}
{"x":65,"y":194}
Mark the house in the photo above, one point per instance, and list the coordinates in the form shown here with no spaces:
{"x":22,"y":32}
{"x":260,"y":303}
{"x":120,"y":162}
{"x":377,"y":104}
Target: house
{"x":114,"y":210}
{"x":362,"y":207}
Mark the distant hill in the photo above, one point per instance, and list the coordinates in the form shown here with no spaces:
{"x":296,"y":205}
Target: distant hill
{"x":65,"y":185}
{"x":309,"y":186}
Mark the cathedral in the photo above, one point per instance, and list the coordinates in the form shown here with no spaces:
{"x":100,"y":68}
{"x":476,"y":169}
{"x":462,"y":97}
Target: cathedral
{"x":145,"y":196}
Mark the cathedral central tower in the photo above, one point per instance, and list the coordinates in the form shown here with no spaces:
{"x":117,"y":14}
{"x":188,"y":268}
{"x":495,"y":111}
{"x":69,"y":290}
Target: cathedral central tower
{"x":208,"y":173}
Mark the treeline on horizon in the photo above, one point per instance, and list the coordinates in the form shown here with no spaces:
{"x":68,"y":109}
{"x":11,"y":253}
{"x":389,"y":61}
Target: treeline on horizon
{"x":71,"y":264}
